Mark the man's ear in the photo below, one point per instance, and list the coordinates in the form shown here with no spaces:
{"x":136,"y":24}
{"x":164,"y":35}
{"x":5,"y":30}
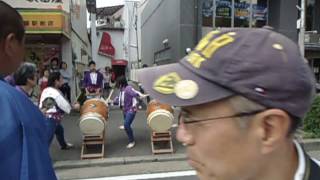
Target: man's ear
{"x":9,"y":44}
{"x":272,"y":129}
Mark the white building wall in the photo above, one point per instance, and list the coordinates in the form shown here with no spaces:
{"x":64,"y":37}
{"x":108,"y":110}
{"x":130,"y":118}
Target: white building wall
{"x":131,"y":34}
{"x":80,"y":43}
{"x":79,"y":18}
{"x":141,"y":7}
{"x":135,"y":37}
{"x":117,"y":37}
{"x":129,"y":19}
{"x":79,"y":35}
{"x":66,"y":53}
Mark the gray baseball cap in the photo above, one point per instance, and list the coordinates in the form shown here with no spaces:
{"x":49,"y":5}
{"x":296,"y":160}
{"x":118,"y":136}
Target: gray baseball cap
{"x":259,"y":64}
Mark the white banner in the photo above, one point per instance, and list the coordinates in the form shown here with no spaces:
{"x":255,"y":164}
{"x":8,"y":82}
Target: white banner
{"x":40,"y":4}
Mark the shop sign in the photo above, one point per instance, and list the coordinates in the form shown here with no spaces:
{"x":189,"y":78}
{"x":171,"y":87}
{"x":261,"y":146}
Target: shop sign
{"x":43,"y":22}
{"x":106,"y":48}
{"x":41,"y":4}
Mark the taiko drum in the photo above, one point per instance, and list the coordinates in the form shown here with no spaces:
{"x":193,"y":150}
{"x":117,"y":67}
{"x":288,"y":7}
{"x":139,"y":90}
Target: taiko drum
{"x":159,"y":116}
{"x":94,"y":114}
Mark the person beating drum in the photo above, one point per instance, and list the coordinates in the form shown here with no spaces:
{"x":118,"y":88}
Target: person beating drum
{"x":54,"y":105}
{"x":93,"y":81}
{"x":128,"y":103}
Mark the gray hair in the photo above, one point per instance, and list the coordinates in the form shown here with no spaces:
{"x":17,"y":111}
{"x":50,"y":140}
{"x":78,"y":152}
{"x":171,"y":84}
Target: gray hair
{"x":241,"y":104}
{"x":24,"y":72}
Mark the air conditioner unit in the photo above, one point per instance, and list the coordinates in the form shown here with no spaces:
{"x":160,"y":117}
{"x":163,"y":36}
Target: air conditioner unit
{"x":117,"y":24}
{"x":102,"y":22}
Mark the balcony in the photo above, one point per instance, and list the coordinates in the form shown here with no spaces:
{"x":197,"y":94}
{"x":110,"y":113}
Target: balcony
{"x":312,"y":44}
{"x":109,"y":24}
{"x":312,"y":39}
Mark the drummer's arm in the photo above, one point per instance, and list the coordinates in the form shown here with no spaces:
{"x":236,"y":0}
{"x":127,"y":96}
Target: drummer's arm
{"x":99,"y":83}
{"x":63,"y":104}
{"x":116,"y":101}
{"x":136,"y":93}
{"x":98,"y":91}
{"x":87,"y":91}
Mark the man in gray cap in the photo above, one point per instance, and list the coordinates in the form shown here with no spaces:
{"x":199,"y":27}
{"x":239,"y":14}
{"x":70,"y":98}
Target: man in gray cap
{"x":242,"y":93}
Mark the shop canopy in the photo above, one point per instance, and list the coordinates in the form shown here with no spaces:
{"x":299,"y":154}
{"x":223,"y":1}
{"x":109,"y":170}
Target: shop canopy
{"x":119,"y":62}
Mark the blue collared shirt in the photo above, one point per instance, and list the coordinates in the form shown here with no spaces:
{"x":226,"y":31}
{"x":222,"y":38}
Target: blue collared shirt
{"x":23,"y":138}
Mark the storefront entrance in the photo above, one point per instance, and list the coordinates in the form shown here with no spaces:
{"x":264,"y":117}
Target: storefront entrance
{"x":119,"y":68}
{"x":40,"y":49}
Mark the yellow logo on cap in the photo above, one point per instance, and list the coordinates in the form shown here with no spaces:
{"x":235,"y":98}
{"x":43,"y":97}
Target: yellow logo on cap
{"x":207,"y":48}
{"x":166,"y":83}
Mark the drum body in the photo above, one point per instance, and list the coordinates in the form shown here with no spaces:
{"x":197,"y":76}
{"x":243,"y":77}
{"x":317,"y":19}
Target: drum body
{"x":94,"y":114}
{"x":159,"y":116}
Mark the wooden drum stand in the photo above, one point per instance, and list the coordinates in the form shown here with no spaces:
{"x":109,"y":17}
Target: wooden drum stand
{"x":161,"y":143}
{"x":95,"y":144}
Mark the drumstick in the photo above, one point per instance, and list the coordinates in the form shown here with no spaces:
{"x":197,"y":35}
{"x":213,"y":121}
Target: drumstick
{"x":110,"y":94}
{"x":78,"y":97}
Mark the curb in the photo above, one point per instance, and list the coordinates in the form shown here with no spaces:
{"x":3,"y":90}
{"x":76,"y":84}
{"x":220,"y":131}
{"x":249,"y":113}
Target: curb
{"x":117,"y":161}
{"x":311,"y":144}
{"x":308,"y":144}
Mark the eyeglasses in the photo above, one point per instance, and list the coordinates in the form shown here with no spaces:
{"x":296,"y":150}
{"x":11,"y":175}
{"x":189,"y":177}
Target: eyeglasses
{"x":186,"y":119}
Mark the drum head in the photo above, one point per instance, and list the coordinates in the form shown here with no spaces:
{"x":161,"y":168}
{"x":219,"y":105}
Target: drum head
{"x":94,"y":100}
{"x":160,"y":120}
{"x":90,"y":125}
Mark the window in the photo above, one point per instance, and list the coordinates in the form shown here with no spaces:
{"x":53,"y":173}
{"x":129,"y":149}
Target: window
{"x":26,"y":23}
{"x":42,"y":23}
{"x":260,"y":13}
{"x":34,"y":23}
{"x":234,"y":13}
{"x":312,"y":15}
{"x":50,"y":23}
{"x":242,"y":12}
{"x":207,"y":7}
{"x":223,"y":13}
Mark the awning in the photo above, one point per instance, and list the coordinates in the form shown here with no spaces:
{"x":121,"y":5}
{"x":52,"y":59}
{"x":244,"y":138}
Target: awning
{"x":106,"y":48}
{"x":119,"y":62}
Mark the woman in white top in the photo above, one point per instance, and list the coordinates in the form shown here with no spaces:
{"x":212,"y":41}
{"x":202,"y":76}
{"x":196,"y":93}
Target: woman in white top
{"x":54,"y":105}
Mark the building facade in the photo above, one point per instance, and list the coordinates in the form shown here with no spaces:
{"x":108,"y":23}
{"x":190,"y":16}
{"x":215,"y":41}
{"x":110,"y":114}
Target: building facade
{"x":169,"y":27}
{"x":55,"y":29}
{"x":312,"y":38}
{"x":110,"y":38}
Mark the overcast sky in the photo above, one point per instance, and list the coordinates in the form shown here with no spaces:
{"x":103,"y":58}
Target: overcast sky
{"x":105,"y":3}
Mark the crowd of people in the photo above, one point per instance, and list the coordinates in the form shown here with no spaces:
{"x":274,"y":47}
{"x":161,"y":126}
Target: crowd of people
{"x":30,"y":121}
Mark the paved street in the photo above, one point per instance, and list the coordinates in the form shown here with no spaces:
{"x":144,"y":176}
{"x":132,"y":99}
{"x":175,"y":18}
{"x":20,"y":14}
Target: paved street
{"x":144,"y":170}
{"x":179,"y":175}
{"x":116,"y":139}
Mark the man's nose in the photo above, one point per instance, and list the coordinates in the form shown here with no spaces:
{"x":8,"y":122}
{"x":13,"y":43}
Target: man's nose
{"x":183,"y":135}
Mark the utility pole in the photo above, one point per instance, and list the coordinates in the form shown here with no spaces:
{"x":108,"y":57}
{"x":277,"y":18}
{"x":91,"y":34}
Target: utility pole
{"x":302,"y":26}
{"x":136,"y":28}
{"x":91,"y":6}
{"x":131,"y":25}
{"x":94,"y":43}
